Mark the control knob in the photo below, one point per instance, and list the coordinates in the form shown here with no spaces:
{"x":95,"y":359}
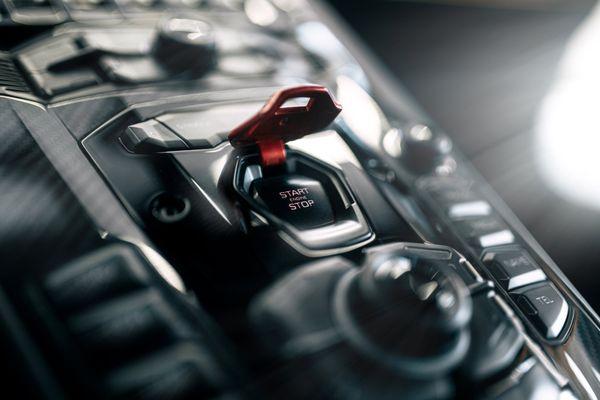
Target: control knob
{"x":418,"y":147}
{"x":185,"y":45}
{"x":408,"y":312}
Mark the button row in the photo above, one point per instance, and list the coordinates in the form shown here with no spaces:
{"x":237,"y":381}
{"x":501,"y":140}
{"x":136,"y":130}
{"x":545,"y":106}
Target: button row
{"x":511,"y":266}
{"x":128,"y":330}
{"x":473,"y":217}
{"x":541,"y":303}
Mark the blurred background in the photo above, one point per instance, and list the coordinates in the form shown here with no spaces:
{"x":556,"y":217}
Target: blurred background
{"x":516,"y":84}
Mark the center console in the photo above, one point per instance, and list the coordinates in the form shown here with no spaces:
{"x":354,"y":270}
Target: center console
{"x":231,"y":199}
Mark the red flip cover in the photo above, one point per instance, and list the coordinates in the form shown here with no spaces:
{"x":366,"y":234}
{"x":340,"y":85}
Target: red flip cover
{"x":275,"y":125}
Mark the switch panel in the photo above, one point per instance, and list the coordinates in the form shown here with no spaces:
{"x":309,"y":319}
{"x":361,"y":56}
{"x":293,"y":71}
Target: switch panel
{"x":131,"y":329}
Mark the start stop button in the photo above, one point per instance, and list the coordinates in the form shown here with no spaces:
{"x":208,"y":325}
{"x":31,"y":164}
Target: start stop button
{"x":299,"y":200}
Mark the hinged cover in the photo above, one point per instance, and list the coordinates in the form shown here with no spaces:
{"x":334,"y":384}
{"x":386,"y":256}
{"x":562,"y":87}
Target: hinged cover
{"x":276,"y":123}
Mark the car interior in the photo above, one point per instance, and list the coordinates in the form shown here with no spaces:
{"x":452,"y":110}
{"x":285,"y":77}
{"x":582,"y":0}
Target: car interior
{"x":299,"y":199}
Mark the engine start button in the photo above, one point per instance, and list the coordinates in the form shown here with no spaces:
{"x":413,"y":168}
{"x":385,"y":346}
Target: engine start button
{"x":299,"y":200}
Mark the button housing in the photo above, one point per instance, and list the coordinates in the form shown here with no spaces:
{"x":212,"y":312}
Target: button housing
{"x":465,"y":207}
{"x":545,"y":307}
{"x":151,"y":137}
{"x":127,"y":328}
{"x":185,"y":371}
{"x":513,"y":267}
{"x":469,"y":209}
{"x":131,"y":331}
{"x":485,"y":232}
{"x":110,"y":272}
{"x":131,"y":69}
{"x":52,"y":84}
{"x":186,"y":130}
{"x":207,"y":128}
{"x":294,"y":198}
{"x":349,"y":228}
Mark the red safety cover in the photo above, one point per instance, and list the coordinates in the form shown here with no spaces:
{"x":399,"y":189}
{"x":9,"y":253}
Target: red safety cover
{"x":275,"y":125}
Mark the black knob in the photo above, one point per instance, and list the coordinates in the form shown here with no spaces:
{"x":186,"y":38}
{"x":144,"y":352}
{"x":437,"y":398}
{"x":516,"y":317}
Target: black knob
{"x":185,"y":45}
{"x":420,"y":149}
{"x":408,"y":312}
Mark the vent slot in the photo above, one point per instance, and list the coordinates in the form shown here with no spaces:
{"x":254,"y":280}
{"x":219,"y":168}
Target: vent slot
{"x":10,"y":77}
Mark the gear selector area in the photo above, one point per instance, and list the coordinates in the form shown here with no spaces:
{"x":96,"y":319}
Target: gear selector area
{"x":406,"y":312}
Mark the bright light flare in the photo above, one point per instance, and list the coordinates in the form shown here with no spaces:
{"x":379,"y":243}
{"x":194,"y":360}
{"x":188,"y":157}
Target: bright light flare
{"x":567,"y":132}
